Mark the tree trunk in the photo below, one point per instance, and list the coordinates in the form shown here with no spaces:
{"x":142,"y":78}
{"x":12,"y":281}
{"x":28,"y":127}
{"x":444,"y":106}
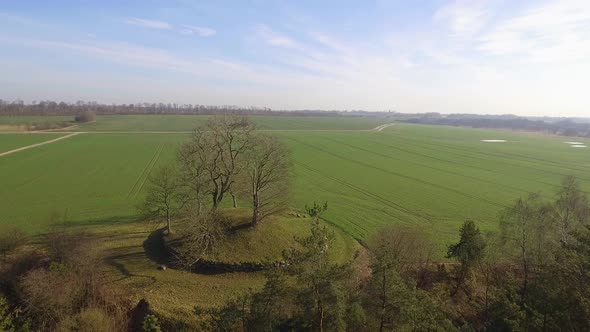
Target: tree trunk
{"x":525,"y":284}
{"x":255,"y":202}
{"x":255,"y":217}
{"x":168,"y":223}
{"x":383,"y":302}
{"x":214,"y":196}
{"x":321,"y":318}
{"x":460,"y":279}
{"x":525,"y":268}
{"x":217,"y":198}
{"x":235,"y":199}
{"x":255,"y":209}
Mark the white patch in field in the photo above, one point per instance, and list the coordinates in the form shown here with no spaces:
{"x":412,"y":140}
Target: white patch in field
{"x":574,"y":143}
{"x":494,"y":140}
{"x":579,"y":146}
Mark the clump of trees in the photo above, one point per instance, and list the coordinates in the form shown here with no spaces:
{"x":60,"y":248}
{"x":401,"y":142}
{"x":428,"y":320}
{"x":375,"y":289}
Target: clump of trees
{"x":532,"y":275}
{"x":225,"y":157}
{"x":86,"y":116}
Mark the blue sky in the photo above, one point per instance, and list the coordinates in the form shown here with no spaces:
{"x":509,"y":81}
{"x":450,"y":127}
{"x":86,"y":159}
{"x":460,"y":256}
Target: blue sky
{"x":520,"y":57}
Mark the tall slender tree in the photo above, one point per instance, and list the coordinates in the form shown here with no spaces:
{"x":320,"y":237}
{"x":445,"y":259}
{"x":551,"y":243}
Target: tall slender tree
{"x":164,"y":198}
{"x":268,"y":176}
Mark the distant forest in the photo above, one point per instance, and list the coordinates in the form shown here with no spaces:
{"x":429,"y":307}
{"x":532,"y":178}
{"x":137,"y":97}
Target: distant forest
{"x":18,"y":107}
{"x":553,"y":126}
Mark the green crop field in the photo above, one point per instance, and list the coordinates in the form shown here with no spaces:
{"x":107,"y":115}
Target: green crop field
{"x":82,"y":178}
{"x":123,"y":123}
{"x":14,"y":141}
{"x":427,"y":176}
{"x":189,"y":122}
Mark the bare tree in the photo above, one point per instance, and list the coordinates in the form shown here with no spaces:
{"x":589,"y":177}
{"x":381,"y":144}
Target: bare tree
{"x":571,"y":209}
{"x":193,"y":179}
{"x":268,"y":170}
{"x":395,"y":252}
{"x":527,"y":226}
{"x":164,"y":196}
{"x":405,"y":248}
{"x":217,"y":150}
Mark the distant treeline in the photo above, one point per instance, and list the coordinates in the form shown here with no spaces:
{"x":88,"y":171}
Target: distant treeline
{"x":18,"y":107}
{"x":555,"y":126}
{"x":550,"y":125}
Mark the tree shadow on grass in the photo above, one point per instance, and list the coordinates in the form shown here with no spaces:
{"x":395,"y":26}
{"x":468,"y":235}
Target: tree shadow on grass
{"x":117,"y":261}
{"x":155,"y":249}
{"x":122,"y":256}
{"x":121,"y":220}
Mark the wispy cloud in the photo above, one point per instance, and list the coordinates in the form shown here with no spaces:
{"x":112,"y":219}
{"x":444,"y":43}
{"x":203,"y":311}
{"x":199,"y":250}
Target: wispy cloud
{"x":161,"y":59}
{"x":151,"y":24}
{"x":199,"y":31}
{"x":274,"y":38}
{"x":463,"y":19}
{"x":554,"y":32}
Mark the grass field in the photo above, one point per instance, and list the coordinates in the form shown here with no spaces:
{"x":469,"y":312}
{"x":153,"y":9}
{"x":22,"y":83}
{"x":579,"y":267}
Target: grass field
{"x":85,"y":178}
{"x":189,"y":122}
{"x":14,"y":141}
{"x":431,"y":177}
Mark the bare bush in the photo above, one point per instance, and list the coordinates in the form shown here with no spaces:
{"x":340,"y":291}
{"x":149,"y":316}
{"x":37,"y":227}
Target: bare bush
{"x":69,"y":247}
{"x":201,"y":237}
{"x":52,"y":295}
{"x":71,"y":282}
{"x":88,"y":320}
{"x":11,"y":239}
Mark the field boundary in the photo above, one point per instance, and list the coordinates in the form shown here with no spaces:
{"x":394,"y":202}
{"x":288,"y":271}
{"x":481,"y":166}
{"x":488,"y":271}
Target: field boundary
{"x":38,"y":144}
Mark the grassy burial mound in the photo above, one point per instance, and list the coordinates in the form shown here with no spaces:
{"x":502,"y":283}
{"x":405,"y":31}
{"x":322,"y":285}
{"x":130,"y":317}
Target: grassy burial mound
{"x":241,"y":248}
{"x":226,"y":158}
